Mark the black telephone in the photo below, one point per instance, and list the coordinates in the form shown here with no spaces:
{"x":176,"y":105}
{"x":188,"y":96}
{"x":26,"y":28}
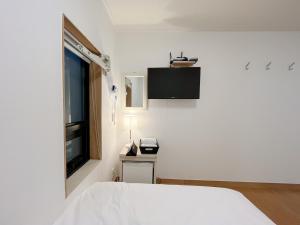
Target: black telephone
{"x":132,"y":150}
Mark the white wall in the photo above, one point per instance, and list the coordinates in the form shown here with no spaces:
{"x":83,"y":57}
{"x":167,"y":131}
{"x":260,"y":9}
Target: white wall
{"x":246,"y":125}
{"x":31,"y":106}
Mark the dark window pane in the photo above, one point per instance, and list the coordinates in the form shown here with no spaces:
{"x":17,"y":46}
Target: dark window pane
{"x":73,"y":148}
{"x":76,"y":111}
{"x":76,"y":76}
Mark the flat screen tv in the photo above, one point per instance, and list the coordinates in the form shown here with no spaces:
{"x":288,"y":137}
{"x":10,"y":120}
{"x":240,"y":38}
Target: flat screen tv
{"x":174,"y":83}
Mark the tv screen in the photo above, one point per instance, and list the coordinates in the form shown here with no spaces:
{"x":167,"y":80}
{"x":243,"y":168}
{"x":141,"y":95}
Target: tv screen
{"x":174,"y":83}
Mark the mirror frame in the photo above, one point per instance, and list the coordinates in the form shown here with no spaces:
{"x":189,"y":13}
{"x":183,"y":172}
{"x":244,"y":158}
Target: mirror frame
{"x":134,"y":74}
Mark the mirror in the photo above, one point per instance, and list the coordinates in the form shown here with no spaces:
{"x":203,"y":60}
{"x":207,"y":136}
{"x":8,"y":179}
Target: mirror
{"x":134,"y":91}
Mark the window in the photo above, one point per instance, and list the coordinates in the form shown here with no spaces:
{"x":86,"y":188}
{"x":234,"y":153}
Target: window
{"x":76,"y":110}
{"x":82,"y":76}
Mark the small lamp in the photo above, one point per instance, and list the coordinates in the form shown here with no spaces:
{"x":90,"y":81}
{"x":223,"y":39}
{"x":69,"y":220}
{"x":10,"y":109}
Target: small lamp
{"x":130,"y":123}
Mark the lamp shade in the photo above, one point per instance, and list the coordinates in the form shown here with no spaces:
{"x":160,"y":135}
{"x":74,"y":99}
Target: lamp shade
{"x":130,"y":121}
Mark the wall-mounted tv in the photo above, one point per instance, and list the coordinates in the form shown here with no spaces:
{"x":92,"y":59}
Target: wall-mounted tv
{"x":174,"y":83}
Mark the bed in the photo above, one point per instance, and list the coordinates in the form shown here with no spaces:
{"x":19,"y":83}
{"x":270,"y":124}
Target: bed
{"x":147,"y":204}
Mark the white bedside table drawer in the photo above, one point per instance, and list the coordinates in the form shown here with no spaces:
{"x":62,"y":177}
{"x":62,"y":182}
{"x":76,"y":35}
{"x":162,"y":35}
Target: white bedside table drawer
{"x":138,"y":172}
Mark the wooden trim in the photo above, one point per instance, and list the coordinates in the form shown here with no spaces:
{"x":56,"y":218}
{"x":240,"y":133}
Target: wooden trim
{"x":69,"y":26}
{"x":95,"y":87}
{"x":231,"y":184}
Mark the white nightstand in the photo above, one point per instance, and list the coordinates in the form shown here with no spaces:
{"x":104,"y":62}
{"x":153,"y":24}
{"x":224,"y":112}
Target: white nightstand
{"x":138,"y":169}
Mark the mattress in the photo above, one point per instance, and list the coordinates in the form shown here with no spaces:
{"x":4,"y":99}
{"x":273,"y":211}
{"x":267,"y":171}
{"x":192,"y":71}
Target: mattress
{"x":153,"y":204}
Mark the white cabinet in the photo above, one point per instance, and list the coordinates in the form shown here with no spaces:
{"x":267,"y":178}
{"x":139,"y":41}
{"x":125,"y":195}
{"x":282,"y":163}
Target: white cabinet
{"x":138,"y":172}
{"x":138,"y":169}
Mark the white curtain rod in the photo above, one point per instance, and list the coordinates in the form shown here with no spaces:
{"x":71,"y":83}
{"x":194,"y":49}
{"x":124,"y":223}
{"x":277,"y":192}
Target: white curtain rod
{"x":103,"y":61}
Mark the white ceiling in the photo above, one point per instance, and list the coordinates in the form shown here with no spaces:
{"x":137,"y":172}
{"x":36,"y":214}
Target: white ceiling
{"x":205,"y":15}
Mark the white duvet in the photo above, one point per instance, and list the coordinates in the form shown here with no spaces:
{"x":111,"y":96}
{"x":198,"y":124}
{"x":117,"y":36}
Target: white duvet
{"x":147,"y":204}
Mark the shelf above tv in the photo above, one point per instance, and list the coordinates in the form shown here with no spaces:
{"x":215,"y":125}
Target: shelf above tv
{"x":180,"y":64}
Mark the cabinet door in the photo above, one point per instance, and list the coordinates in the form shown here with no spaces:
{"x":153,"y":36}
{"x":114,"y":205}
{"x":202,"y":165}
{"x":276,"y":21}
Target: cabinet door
{"x":138,"y":172}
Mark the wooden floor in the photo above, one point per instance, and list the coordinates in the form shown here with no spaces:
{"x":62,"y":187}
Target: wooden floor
{"x":280,"y":202}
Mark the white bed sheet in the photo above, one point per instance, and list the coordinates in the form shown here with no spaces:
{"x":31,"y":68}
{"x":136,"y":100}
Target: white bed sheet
{"x":147,"y":204}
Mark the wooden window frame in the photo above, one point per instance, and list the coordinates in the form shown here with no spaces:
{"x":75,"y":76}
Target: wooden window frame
{"x":95,"y":96}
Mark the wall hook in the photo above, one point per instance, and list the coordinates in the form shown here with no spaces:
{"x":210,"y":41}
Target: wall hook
{"x":268,"y":66}
{"x":247,"y":66}
{"x":291,"y":67}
